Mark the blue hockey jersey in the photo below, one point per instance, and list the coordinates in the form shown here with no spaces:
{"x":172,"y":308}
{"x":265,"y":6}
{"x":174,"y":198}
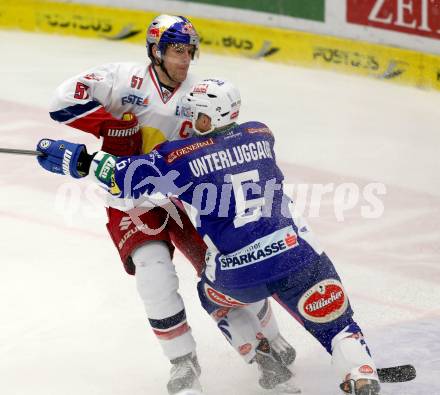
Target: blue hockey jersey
{"x":232,"y":189}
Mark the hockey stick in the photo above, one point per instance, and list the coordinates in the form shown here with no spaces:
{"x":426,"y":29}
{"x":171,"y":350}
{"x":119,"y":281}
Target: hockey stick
{"x":397,"y":374}
{"x":20,"y":152}
{"x":392,"y":374}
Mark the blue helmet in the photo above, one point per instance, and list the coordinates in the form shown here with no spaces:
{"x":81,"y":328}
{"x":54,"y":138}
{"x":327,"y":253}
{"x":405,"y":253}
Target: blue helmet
{"x":170,"y":29}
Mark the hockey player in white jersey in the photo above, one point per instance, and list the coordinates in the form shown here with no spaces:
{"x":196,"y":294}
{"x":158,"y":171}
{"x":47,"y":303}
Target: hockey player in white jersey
{"x":132,"y":107}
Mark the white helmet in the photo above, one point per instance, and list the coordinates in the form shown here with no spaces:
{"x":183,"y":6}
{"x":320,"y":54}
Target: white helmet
{"x":218,"y":99}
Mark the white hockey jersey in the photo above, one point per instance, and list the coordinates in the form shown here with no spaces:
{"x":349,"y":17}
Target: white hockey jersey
{"x":108,"y":91}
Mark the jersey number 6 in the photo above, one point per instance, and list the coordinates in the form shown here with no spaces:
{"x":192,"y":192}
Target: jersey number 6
{"x":246,"y":210}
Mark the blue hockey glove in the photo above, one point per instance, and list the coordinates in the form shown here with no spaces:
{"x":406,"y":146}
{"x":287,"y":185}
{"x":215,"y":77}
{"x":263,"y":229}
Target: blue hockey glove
{"x":63,"y":157}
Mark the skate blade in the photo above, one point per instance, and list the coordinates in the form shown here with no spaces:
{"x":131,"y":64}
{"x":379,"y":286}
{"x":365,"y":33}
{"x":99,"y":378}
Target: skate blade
{"x":190,"y":392}
{"x":284,"y":389}
{"x":275,"y":391}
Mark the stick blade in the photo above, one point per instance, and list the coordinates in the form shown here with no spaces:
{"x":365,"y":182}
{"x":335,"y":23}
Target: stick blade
{"x":397,"y":374}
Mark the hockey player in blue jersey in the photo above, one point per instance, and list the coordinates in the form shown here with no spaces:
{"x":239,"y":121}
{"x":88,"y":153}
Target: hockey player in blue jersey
{"x":228,"y":180}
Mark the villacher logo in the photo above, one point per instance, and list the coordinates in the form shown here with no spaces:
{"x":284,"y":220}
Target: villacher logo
{"x":324,"y":302}
{"x":221,"y":299}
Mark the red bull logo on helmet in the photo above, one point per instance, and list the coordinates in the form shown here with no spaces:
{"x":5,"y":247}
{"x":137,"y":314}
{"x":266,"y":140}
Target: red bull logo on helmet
{"x":201,"y":88}
{"x":188,"y":28}
{"x":156,"y":32}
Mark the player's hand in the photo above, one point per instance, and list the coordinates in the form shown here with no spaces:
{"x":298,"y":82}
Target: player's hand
{"x":122,"y":137}
{"x":63,"y":157}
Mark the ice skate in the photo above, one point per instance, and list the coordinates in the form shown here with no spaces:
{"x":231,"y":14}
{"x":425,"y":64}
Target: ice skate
{"x":282,"y":350}
{"x":361,"y":381}
{"x":275,"y":376}
{"x":185,"y":374}
{"x":361,"y":387}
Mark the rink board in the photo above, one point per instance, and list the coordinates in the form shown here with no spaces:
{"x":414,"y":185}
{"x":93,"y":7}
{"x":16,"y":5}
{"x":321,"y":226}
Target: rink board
{"x":224,"y":37}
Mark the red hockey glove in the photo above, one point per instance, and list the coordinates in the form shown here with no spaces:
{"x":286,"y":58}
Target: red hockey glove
{"x":122,"y":137}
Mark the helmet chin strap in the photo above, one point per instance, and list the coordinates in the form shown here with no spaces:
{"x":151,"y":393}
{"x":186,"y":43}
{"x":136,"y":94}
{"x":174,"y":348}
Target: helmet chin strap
{"x":160,"y":62}
{"x":163,"y":68}
{"x":197,"y":131}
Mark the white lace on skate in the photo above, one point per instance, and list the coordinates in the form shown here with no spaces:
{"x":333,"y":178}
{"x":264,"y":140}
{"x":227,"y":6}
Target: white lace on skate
{"x":275,"y":377}
{"x":184,"y":379}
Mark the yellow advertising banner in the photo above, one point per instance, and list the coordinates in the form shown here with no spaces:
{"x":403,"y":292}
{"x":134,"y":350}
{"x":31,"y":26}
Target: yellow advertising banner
{"x":231,"y":38}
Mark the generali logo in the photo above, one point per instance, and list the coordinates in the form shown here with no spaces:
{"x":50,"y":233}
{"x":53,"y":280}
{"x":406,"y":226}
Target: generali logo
{"x":324,"y":302}
{"x":178,"y":153}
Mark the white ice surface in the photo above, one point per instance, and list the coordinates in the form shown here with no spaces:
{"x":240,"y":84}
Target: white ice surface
{"x":71,"y":321}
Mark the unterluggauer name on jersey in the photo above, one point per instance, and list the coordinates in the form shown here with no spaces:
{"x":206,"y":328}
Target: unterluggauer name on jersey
{"x":230,"y":157}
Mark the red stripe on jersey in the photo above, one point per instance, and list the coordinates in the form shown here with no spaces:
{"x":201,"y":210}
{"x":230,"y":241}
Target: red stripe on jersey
{"x":173,"y":333}
{"x":156,"y":83}
{"x":91,"y":123}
